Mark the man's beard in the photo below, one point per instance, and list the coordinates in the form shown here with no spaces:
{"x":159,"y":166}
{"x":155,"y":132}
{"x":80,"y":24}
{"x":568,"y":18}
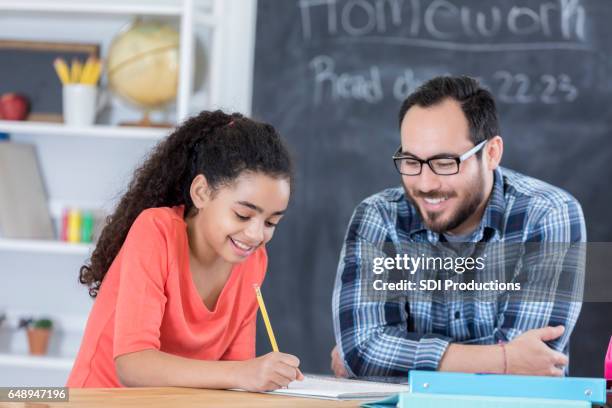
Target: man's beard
{"x":466,"y":208}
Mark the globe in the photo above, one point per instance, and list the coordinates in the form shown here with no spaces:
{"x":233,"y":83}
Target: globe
{"x":143,"y":65}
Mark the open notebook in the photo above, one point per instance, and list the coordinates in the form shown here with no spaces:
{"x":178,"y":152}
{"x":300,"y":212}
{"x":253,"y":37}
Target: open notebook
{"x":340,"y":389}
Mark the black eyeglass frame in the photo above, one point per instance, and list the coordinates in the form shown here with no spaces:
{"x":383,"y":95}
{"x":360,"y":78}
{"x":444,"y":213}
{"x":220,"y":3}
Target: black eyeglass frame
{"x":396,"y":157}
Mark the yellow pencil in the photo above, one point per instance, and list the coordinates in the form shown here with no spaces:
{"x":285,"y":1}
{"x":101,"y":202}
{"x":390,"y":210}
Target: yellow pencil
{"x":62,"y":70}
{"x":87,"y":69}
{"x":75,"y":74}
{"x":91,"y":72}
{"x":264,"y":314}
{"x":96,"y":71}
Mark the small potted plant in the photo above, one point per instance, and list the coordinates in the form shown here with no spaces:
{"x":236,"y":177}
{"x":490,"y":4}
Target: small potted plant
{"x":39,"y":331}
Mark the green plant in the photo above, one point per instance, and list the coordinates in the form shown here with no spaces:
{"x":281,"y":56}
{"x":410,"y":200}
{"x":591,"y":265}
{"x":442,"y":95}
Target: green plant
{"x":43,"y":324}
{"x":29,"y":323}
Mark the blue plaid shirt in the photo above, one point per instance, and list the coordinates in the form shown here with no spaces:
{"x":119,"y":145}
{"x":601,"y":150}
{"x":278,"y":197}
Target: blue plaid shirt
{"x":388,"y":338}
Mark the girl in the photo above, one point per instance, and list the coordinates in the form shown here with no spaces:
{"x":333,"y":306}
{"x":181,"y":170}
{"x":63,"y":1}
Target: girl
{"x":174,"y":268}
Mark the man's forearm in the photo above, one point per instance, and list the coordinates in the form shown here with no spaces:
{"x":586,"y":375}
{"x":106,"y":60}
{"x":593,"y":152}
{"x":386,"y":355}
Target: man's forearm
{"x":473,"y":359}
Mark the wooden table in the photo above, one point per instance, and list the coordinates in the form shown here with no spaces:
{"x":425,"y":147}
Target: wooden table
{"x":179,"y":398}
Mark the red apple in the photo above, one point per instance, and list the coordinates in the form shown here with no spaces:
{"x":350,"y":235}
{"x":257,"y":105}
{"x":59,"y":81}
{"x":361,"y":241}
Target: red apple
{"x":14,"y":106}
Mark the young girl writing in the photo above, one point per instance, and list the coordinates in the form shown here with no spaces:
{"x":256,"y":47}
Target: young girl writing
{"x":174,"y":268}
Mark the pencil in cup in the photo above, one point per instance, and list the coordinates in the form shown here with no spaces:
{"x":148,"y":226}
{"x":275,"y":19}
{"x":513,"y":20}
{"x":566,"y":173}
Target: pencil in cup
{"x":75,"y":71}
{"x":91,"y":71}
{"x":87,"y":74}
{"x":264,"y":314}
{"x":62,"y":70}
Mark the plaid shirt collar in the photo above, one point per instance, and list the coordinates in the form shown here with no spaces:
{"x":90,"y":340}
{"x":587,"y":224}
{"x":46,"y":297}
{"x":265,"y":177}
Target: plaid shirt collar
{"x":491,"y":224}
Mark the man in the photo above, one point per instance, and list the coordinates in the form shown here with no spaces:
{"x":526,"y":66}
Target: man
{"x":453,"y":191}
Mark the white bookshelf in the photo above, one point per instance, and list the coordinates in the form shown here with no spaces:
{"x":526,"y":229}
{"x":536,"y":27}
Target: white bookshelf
{"x":41,"y":276}
{"x":35,"y":362}
{"x":188,"y":14}
{"x":45,"y":246}
{"x":55,"y":365}
{"x":95,"y":131}
{"x":111,"y":7}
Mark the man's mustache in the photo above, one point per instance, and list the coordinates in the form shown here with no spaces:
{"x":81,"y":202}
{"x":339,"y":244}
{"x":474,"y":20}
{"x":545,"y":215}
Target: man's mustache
{"x":434,"y":194}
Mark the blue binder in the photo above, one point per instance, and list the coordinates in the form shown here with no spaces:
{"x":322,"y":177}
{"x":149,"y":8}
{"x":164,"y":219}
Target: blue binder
{"x":592,"y":390}
{"x":407,"y":400}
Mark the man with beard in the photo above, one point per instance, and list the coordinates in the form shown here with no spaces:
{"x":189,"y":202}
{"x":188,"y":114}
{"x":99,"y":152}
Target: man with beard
{"x":453,"y":191}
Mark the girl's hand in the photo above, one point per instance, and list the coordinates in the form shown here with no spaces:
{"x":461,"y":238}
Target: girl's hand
{"x":269,"y":372}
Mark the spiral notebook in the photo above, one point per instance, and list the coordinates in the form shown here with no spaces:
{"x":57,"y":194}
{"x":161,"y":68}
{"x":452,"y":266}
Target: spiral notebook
{"x":327,"y":387}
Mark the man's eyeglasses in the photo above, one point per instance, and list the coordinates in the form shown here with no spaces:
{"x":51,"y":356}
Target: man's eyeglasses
{"x":442,"y":166}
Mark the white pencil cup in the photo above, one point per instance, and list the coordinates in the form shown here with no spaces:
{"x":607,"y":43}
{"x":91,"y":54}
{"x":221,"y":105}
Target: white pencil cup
{"x":80,"y":104}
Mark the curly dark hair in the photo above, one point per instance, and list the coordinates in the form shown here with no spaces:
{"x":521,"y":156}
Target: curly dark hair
{"x":218,"y":145}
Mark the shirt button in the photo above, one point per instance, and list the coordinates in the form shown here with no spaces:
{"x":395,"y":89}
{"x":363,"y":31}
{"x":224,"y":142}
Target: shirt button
{"x":457,"y":314}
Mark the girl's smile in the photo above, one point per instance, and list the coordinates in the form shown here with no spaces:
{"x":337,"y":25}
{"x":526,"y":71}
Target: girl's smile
{"x":236,"y":219}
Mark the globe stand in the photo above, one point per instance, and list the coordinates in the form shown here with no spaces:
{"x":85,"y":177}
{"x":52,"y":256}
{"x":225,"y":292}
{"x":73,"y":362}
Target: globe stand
{"x":146,"y":122}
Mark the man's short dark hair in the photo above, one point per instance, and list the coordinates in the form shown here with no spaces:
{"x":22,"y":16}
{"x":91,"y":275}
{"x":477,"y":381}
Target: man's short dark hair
{"x":476,"y":102}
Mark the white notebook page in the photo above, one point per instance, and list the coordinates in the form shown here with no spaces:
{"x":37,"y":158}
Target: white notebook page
{"x":339,"y":388}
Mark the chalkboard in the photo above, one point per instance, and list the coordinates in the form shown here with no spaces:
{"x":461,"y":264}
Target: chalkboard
{"x":26,"y":68}
{"x":331,"y":75}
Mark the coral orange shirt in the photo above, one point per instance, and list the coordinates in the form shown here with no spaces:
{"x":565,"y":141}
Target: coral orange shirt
{"x":148,"y":301}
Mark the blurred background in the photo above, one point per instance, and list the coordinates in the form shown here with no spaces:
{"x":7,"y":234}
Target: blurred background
{"x":88,"y":87}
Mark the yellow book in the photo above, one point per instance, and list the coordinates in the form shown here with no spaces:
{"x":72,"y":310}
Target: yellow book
{"x":74,"y":226}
